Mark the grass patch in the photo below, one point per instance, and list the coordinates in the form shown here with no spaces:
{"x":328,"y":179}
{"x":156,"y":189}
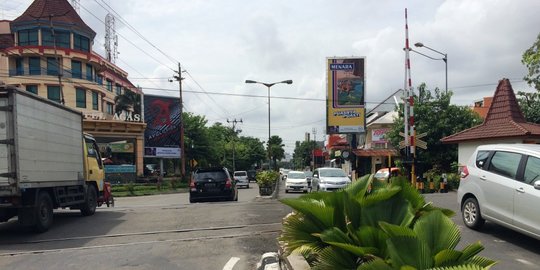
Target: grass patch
{"x":132,"y":189}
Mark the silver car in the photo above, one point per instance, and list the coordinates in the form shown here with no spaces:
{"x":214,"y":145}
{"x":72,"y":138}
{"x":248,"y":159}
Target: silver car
{"x":501,"y":184}
{"x":296,"y":181}
{"x":241,"y":178}
{"x":329,"y":179}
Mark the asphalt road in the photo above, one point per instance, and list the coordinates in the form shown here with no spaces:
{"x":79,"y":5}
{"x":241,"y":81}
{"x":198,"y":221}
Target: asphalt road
{"x":151,"y":232}
{"x":167,"y":232}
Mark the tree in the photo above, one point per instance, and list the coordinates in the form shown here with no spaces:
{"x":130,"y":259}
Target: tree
{"x":434,"y":115}
{"x":530,"y":102}
{"x":275,"y":149}
{"x":531,"y":59}
{"x":302,"y":155}
{"x":221,"y":152}
{"x":250,"y":152}
{"x":196,"y":139}
{"x":530,"y":106}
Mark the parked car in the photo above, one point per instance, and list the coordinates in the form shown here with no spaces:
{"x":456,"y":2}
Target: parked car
{"x":212,"y":183}
{"x":501,"y":184}
{"x":384,"y":174}
{"x":241,"y":178}
{"x":329,"y":179}
{"x":296,"y":181}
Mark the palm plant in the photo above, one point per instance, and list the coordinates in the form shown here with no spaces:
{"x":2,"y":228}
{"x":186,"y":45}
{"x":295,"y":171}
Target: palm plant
{"x":372,"y":225}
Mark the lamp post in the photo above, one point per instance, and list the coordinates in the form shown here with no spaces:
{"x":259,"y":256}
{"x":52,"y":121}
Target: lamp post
{"x":268,"y":85}
{"x":445,"y":59}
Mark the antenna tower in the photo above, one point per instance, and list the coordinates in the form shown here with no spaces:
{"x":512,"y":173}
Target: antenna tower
{"x":111,"y":39}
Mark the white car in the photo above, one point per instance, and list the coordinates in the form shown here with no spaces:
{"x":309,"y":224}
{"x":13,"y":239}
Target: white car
{"x":296,"y":181}
{"x":241,"y":178}
{"x":501,"y":184}
{"x":329,"y":179}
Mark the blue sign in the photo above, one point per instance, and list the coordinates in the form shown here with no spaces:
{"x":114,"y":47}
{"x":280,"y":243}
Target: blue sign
{"x":343,"y":66}
{"x":120,"y":169}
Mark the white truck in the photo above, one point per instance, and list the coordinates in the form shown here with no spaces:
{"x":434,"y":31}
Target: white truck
{"x":46,"y":161}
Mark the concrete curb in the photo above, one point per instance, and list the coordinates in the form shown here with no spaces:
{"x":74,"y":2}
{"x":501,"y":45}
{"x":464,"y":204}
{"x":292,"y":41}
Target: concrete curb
{"x":293,"y":261}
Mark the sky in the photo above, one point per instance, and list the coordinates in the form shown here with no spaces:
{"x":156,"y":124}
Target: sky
{"x":220,"y":44}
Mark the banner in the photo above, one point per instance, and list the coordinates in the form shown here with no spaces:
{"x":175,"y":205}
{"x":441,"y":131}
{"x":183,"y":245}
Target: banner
{"x":345,"y":95}
{"x":162,"y":134}
{"x":379,"y":135}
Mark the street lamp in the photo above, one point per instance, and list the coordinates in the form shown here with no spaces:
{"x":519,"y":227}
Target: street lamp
{"x":445,"y":59}
{"x":269,"y":85}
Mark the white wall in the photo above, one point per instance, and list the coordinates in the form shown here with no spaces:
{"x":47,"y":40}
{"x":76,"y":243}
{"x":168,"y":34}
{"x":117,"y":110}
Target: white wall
{"x":466,"y":149}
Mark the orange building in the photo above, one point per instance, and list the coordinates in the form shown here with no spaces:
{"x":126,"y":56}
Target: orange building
{"x":48,"y":51}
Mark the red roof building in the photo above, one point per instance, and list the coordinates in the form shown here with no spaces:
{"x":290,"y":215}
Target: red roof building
{"x":504,"y":123}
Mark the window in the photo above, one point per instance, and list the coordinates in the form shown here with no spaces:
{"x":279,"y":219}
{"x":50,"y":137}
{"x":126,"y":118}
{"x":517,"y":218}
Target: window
{"x":109,"y":108}
{"x":62,"y":38}
{"x":76,"y":69}
{"x":99,"y":79}
{"x":53,"y":93}
{"x":19,"y":68}
{"x":35,"y":65}
{"x":532,"y":170}
{"x":28,"y":37}
{"x":32,"y":89}
{"x":81,"y":43}
{"x":89,"y":72}
{"x":95,"y":99}
{"x":481,"y":158}
{"x":109,"y":85}
{"x":118,"y":89}
{"x":52,"y":66}
{"x":505,"y":163}
{"x":80,"y":97}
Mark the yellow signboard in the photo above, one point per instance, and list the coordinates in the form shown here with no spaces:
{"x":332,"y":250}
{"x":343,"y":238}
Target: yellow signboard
{"x":345,"y":95}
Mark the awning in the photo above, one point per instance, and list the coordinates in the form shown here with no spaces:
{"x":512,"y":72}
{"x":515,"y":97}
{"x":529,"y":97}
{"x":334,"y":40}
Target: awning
{"x":375,"y":152}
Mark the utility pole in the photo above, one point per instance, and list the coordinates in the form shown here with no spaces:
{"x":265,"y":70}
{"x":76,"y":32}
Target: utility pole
{"x":314,"y":130}
{"x":182,"y":150}
{"x":234,"y":122}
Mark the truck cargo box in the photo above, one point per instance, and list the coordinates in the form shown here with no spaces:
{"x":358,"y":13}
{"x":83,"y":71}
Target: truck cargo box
{"x":41,"y":142}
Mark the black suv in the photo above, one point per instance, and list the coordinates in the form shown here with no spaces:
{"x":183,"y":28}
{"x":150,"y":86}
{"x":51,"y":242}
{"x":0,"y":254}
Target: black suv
{"x":212,"y":183}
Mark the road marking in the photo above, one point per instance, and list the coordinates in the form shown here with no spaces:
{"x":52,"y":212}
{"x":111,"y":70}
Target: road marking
{"x":230,"y":264}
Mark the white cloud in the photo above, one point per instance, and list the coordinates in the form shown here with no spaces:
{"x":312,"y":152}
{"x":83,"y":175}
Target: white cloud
{"x":223,"y":43}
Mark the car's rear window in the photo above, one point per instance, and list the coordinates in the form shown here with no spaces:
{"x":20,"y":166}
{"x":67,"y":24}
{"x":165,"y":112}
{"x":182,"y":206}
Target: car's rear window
{"x":296,"y":176}
{"x":333,"y":173}
{"x":240,"y":173}
{"x":215,"y":175}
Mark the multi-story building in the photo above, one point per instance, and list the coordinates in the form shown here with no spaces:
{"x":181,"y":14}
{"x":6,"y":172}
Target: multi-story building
{"x":48,"y":51}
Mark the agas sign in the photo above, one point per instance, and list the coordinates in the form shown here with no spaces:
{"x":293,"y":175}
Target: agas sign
{"x":127,"y":117}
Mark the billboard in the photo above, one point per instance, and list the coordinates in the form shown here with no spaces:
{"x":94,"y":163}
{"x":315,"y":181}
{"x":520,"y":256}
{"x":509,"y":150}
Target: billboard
{"x":162,"y":134}
{"x":345,"y":106}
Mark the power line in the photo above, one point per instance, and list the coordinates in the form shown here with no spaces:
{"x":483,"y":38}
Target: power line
{"x":129,"y":41}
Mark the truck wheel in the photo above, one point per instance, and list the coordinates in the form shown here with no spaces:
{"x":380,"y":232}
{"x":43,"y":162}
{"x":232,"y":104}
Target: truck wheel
{"x":89,"y":207}
{"x":43,"y":212}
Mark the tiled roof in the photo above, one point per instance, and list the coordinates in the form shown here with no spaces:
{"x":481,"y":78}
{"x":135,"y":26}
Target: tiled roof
{"x":61,"y":12}
{"x":504,"y":119}
{"x":375,"y":152}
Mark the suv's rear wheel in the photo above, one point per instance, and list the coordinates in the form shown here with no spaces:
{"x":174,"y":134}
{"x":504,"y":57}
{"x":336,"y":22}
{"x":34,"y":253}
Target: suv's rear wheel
{"x":470,"y":212}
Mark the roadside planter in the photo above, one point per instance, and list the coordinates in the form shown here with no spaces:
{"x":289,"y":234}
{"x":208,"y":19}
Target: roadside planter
{"x":267,"y":182}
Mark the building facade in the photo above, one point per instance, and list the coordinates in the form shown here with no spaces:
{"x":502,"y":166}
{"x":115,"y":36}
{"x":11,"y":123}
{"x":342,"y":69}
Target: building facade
{"x":48,"y":51}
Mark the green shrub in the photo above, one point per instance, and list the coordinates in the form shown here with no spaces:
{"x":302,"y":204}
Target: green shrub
{"x":267,"y":178}
{"x":375,"y":225}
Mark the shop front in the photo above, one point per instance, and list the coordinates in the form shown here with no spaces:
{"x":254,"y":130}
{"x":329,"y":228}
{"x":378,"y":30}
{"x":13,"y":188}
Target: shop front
{"x":121,"y":145}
